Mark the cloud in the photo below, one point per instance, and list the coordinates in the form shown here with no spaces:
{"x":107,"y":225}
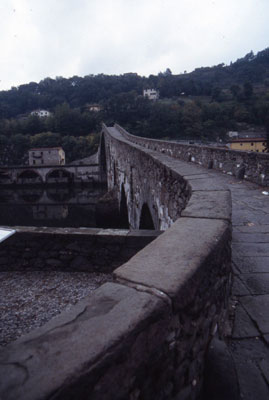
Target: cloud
{"x":80,"y":37}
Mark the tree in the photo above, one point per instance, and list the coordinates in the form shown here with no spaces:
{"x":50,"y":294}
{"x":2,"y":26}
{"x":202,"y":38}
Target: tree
{"x":236,"y":90}
{"x":248,"y":90}
{"x":45,"y":139}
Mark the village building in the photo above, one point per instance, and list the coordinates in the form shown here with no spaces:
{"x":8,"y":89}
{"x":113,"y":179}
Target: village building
{"x":248,"y":144}
{"x":47,"y":156}
{"x":151,"y":94}
{"x":41,"y":113}
{"x":91,"y":108}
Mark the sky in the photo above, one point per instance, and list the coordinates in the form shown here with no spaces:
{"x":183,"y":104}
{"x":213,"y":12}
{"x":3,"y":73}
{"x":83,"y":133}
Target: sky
{"x":40,"y":39}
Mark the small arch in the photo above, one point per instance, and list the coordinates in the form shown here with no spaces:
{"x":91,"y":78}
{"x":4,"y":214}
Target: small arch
{"x":146,"y":221}
{"x":5,"y":177}
{"x":59,"y":175}
{"x":115,"y":173}
{"x":210,"y":164}
{"x":124,"y":220}
{"x":29,"y":176}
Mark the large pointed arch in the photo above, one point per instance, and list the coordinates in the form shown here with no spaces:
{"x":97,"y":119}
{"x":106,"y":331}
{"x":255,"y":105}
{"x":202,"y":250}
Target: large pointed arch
{"x":124,"y":219}
{"x":146,"y":221}
{"x":102,"y":159}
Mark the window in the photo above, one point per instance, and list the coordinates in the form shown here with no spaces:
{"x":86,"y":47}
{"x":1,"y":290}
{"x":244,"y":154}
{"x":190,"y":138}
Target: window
{"x":33,"y":161}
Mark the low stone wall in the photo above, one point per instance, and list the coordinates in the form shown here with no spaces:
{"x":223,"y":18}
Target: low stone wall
{"x":145,"y":335}
{"x":251,"y":166}
{"x":71,"y":249}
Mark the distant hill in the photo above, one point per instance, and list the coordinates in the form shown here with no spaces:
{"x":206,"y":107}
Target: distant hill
{"x":78,"y":91}
{"x":202,"y":105}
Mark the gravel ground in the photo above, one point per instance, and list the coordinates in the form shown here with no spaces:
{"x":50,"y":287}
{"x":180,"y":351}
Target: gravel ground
{"x":29,"y":299}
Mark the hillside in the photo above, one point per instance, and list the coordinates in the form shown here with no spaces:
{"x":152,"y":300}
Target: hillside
{"x":203,"y":104}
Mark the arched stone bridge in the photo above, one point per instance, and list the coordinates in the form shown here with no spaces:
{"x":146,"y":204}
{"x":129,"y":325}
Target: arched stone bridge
{"x":146,"y":334}
{"x":24,"y":175}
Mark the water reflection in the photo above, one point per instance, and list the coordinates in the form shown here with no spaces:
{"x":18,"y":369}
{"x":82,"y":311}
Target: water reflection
{"x":45,"y":212}
{"x":62,"y":206}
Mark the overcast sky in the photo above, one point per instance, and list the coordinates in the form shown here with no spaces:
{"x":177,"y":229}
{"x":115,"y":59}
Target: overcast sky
{"x":49,"y":38}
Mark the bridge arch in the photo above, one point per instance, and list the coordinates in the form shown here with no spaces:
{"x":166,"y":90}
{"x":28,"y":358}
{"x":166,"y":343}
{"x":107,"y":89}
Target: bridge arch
{"x":30,"y":176}
{"x":102,"y":159}
{"x":59,"y":175}
{"x":146,"y":220}
{"x":5,"y":177}
{"x":124,"y":218}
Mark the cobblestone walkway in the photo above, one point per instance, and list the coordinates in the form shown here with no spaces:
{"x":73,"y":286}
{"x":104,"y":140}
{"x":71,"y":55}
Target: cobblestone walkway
{"x":249,"y":340}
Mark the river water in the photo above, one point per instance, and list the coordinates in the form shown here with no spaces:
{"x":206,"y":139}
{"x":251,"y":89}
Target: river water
{"x":51,"y":206}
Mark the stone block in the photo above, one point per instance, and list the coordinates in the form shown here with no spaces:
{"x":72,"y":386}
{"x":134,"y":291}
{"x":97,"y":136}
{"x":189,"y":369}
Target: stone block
{"x":171,"y":262}
{"x":209,"y":204}
{"x":65,"y":356}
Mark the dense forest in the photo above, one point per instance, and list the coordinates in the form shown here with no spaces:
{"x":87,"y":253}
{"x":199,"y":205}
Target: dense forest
{"x":201,"y":105}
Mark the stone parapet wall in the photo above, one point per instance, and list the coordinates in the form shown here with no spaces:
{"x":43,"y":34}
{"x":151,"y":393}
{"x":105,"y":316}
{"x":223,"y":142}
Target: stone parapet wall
{"x":145,"y":335}
{"x":71,"y":249}
{"x":251,"y":166}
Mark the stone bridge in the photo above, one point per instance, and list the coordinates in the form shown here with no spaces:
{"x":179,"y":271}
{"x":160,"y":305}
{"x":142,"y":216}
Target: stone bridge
{"x":146,"y":335}
{"x":52,"y":174}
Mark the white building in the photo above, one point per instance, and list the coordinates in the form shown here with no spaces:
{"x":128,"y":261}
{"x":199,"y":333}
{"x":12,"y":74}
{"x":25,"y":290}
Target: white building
{"x":47,"y":156}
{"x":41,"y":113}
{"x":151,"y":94}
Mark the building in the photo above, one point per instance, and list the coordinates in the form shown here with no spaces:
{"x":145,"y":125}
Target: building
{"x":47,"y":156}
{"x":41,"y":113}
{"x":151,"y":94}
{"x":91,"y":108}
{"x":248,"y":144}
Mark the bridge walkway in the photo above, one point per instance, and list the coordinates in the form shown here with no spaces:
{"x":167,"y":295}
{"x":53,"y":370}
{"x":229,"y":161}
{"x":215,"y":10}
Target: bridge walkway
{"x":249,"y":341}
{"x":249,"y":338}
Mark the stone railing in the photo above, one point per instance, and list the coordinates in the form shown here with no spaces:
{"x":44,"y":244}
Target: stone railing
{"x":71,"y":249}
{"x":145,"y":335}
{"x":251,"y":166}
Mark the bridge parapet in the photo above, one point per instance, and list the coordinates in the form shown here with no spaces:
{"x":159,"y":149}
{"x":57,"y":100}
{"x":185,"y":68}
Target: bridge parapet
{"x":145,"y":335}
{"x":250,"y":166}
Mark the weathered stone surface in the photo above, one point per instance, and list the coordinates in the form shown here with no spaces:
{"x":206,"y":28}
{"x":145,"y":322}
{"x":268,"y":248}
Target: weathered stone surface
{"x":159,"y":264}
{"x":205,"y":184}
{"x":76,"y":343}
{"x":251,"y":264}
{"x":252,"y":385}
{"x":264,"y":365}
{"x":257,"y":308}
{"x":216,"y":204}
{"x":220,"y":374}
{"x":257,"y":283}
{"x":252,"y":249}
{"x":238,"y":288}
{"x":243,"y":326}
{"x":252,"y":229}
{"x":242,"y":237}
